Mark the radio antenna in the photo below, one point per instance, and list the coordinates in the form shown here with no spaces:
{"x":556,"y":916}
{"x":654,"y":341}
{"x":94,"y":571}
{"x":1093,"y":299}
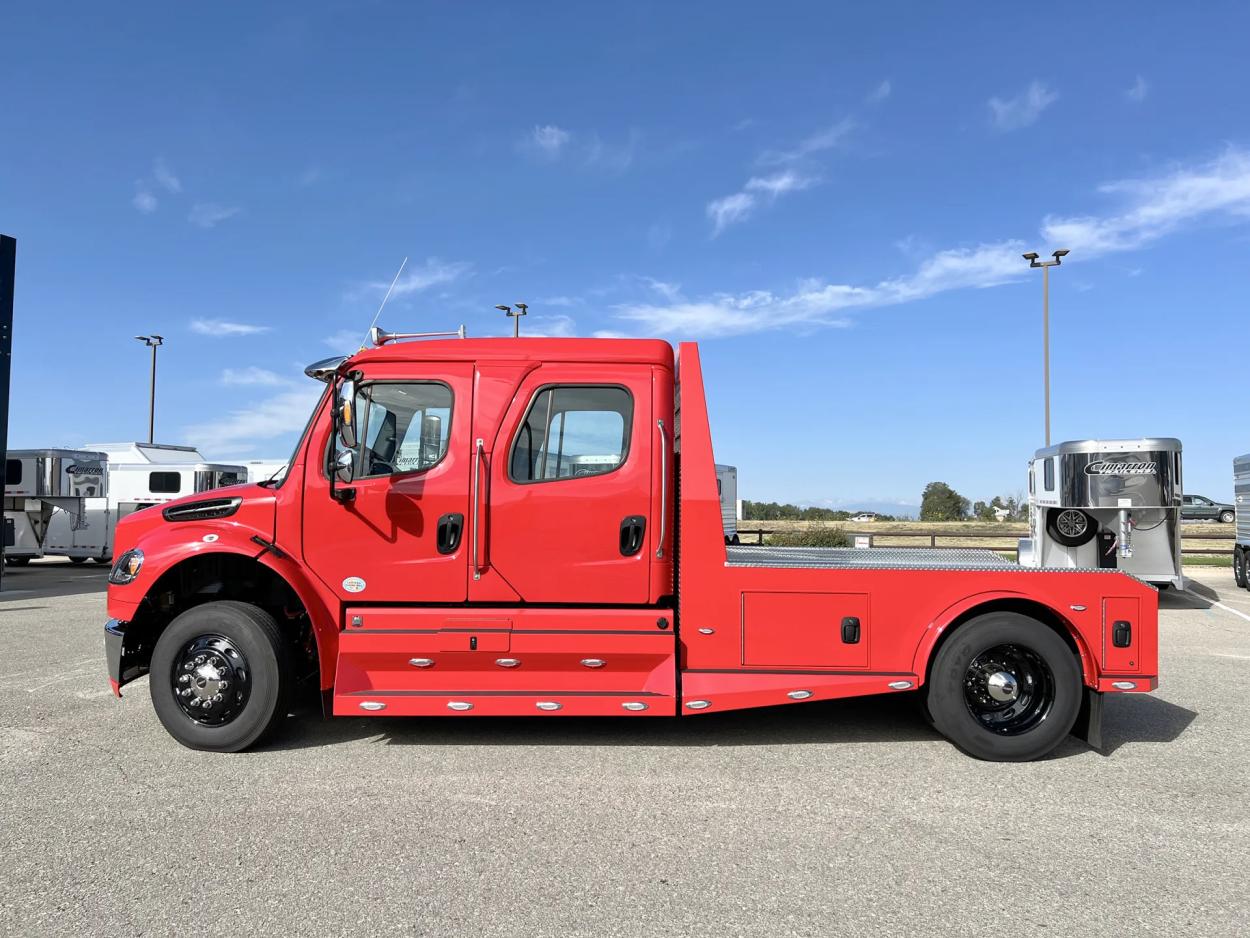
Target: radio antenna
{"x":384,"y":299}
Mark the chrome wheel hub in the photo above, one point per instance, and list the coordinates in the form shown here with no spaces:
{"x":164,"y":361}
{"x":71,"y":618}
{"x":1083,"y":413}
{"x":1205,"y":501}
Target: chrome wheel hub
{"x":1002,"y":686}
{"x":1009,"y":689}
{"x":1072,"y":523}
{"x":210,"y":680}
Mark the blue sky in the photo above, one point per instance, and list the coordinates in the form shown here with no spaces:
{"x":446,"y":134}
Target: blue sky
{"x":832,"y":199}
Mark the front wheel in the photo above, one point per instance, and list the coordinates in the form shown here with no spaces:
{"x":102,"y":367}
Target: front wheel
{"x":220,"y":676}
{"x":77,"y":560}
{"x":1226,"y":517}
{"x":1005,"y":688}
{"x":17,"y":561}
{"x":1239,"y":567}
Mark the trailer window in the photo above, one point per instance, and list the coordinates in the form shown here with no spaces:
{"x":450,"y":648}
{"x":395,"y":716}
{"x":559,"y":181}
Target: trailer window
{"x":12,"y":472}
{"x":165,"y":483}
{"x":1048,"y":474}
{"x":572,"y":431}
{"x":406,"y":427}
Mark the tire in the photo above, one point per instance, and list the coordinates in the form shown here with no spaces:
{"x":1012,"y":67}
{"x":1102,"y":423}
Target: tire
{"x":979,"y":718}
{"x":1239,"y":567}
{"x":102,"y":561}
{"x":1071,"y":527}
{"x":1227,"y":517}
{"x":239,"y":643}
{"x":17,"y":561}
{"x":77,"y":560}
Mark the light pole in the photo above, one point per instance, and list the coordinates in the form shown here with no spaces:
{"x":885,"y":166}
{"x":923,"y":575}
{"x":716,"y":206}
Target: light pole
{"x":152,"y":342}
{"x":515,"y":317}
{"x":1031,"y":257}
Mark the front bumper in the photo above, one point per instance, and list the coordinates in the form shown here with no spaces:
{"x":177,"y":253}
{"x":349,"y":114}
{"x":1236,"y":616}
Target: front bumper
{"x":123,"y":664}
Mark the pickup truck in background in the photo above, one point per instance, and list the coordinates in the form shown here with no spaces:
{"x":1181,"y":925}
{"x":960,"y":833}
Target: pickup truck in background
{"x":1201,"y":508}
{"x":521,"y":527}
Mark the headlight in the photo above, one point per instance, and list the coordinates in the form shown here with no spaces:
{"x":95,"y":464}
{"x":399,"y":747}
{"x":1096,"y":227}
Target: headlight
{"x":127,"y":567}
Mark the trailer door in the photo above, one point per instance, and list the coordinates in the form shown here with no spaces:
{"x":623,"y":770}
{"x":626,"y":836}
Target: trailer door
{"x":563,"y":505}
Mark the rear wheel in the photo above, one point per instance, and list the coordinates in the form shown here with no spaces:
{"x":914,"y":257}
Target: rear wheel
{"x":1239,"y":566}
{"x":1005,"y":687}
{"x":77,"y":560}
{"x":220,"y":676}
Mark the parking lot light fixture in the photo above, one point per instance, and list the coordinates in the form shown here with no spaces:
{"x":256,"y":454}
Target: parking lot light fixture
{"x":153,"y":342}
{"x":1032,"y":258}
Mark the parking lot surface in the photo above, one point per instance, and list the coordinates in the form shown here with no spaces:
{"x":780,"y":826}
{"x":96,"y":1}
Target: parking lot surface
{"x":835,"y":818}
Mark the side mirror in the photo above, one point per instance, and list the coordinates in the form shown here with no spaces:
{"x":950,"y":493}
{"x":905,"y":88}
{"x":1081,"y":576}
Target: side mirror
{"x":345,"y":415}
{"x":344,"y":466}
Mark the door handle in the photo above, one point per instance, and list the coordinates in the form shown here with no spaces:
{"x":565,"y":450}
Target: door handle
{"x":850,"y":630}
{"x":450,"y":527}
{"x":632,"y":529}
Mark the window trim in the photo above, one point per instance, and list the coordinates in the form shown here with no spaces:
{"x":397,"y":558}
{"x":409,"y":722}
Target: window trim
{"x":529,"y":409}
{"x":332,"y":442}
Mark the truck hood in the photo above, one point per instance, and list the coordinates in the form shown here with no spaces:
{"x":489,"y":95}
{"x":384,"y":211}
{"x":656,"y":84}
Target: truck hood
{"x":248,"y":505}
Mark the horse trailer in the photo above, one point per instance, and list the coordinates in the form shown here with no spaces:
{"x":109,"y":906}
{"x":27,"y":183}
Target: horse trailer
{"x":39,"y":485}
{"x":1107,"y":504}
{"x":1241,"y":499}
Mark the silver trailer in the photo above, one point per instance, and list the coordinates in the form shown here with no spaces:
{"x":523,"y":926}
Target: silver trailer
{"x":727,"y":488}
{"x":1107,"y":504}
{"x":1241,"y":499}
{"x":38,"y":483}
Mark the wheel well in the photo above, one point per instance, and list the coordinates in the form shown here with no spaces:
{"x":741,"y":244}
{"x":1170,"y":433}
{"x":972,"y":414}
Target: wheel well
{"x":1026,"y":607}
{"x":211,"y":577}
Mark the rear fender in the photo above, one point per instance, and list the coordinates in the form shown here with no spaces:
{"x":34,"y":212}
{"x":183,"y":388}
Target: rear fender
{"x":989,"y":602}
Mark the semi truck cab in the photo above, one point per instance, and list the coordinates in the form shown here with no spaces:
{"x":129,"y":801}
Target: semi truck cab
{"x":528,"y":527}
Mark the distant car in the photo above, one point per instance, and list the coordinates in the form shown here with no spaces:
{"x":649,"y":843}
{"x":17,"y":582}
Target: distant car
{"x":1201,"y":508}
{"x":864,"y":516}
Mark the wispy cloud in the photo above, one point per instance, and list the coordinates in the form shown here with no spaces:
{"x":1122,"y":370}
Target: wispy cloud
{"x":165,"y":177}
{"x":548,"y":140}
{"x":260,"y":422}
{"x":1152,"y":208}
{"x":735,"y":208}
{"x":252,"y":376}
{"x":1022,"y":110}
{"x":144,"y":200}
{"x":879,"y":93}
{"x":432,"y":273}
{"x":224,"y":329}
{"x":1137,"y":93}
{"x":1156,"y":207}
{"x":345,"y":340}
{"x":210,"y":214}
{"x":818,"y":142}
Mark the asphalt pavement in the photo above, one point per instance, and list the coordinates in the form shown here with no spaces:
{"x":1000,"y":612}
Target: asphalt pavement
{"x":835,"y":818}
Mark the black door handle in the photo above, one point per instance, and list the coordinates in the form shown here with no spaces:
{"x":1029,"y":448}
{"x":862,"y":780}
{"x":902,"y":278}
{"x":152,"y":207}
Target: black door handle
{"x":632,"y":529}
{"x":450,"y":527}
{"x":850,"y":630}
{"x":1122,"y":634}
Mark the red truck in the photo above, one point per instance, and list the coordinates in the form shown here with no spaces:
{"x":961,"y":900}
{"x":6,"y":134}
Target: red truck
{"x":530,"y":527}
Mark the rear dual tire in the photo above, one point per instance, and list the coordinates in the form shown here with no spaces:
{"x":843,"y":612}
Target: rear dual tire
{"x":221,"y":643}
{"x":1239,"y":567}
{"x":1005,"y":688}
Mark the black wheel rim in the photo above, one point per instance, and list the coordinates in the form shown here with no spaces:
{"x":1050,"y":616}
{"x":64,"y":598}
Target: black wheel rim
{"x":211,"y":680}
{"x":1009,"y":689}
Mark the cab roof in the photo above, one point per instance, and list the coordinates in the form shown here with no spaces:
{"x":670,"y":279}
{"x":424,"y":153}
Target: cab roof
{"x":624,"y":351}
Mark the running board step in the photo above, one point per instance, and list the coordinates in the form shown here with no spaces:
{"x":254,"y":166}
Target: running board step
{"x":501,"y":704}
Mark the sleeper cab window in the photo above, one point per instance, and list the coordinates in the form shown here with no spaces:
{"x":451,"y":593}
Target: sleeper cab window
{"x":572,"y":431}
{"x":164,"y":483}
{"x":406,"y":426}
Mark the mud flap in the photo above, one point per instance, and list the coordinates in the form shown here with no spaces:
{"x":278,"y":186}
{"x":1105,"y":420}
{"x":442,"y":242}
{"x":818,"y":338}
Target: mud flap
{"x":1088,"y":724}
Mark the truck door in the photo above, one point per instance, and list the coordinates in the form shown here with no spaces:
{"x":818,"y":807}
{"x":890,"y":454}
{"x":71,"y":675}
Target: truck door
{"x":564,"y":510}
{"x":399,"y":538}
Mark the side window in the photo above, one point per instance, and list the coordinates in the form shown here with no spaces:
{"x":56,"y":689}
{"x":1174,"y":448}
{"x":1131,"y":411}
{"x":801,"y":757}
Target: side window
{"x":165,"y":483}
{"x":1048,"y":474}
{"x":13,"y":472}
{"x":406,"y":426}
{"x":572,"y":431}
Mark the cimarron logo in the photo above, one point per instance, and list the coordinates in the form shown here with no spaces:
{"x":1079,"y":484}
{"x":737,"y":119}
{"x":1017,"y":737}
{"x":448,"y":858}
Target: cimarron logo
{"x":77,"y":470}
{"x":1121,"y":468}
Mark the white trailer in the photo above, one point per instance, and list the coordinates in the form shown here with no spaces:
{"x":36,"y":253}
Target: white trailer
{"x":727,"y":489}
{"x":262,"y":470}
{"x":39,"y":485}
{"x":1110,"y":504}
{"x":139,"y":475}
{"x":1241,"y":499}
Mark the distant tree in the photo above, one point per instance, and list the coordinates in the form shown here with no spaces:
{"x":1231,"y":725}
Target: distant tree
{"x":771,"y":511}
{"x":940,"y":502}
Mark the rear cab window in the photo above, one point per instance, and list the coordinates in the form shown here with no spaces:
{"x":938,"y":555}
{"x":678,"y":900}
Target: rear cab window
{"x":572,"y":431}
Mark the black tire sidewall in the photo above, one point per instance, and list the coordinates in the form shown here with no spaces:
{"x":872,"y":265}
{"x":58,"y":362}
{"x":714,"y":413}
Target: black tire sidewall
{"x":1091,"y":528}
{"x":946,"y":700}
{"x":255,"y":634}
{"x":1239,"y":566}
